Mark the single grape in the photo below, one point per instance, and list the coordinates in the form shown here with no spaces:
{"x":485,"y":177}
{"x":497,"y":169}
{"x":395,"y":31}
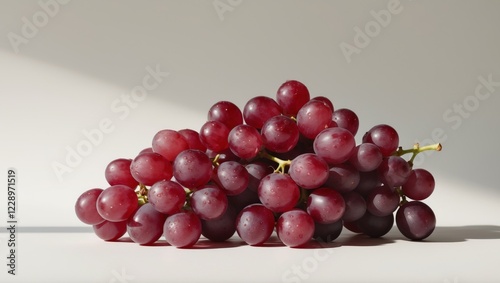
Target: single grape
{"x":169,"y":144}
{"x":415,"y":220}
{"x":367,"y":182}
{"x":313,"y":117}
{"x":309,"y":171}
{"x":110,"y":231}
{"x":118,"y":173}
{"x":327,"y":232}
{"x":295,"y":228}
{"x":245,"y":141}
{"x":150,"y":167}
{"x":146,"y":226}
{"x":85,"y":207}
{"x":192,"y":137}
{"x":291,"y":96}
{"x":227,"y":113}
{"x":326,"y":100}
{"x":280,"y":134}
{"x":343,"y":178}
{"x":334,"y":145}
{"x":117,"y":203}
{"x":192,"y":168}
{"x":146,"y":150}
{"x":182,"y":229}
{"x":255,"y":224}
{"x":366,"y":157}
{"x":232,"y":177}
{"x":382,"y":201}
{"x":355,"y":206}
{"x":385,"y":137}
{"x":213,"y":135}
{"x":256,"y":171}
{"x":260,"y":109}
{"x":375,"y":226}
{"x":278,"y":192}
{"x":221,"y":228}
{"x":394,"y":171}
{"x":419,"y":185}
{"x":325,"y":205}
{"x":347,"y":119}
{"x":209,"y":202}
{"x":167,"y":197}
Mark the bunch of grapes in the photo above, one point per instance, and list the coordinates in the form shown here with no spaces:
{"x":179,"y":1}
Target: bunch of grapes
{"x":288,"y":166}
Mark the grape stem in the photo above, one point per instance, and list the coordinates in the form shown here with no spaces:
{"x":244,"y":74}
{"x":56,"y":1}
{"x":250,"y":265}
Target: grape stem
{"x":281,"y":163}
{"x":417,"y":149}
{"x":142,"y":194}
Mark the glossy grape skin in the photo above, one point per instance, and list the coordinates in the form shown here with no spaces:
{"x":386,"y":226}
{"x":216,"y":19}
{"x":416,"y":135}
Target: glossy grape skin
{"x":221,"y":228}
{"x":313,"y":117}
{"x":394,"y":171}
{"x":415,"y":220}
{"x":118,"y":173}
{"x":375,"y":226}
{"x":347,"y":119}
{"x":291,"y":96}
{"x":232,"y":177}
{"x":213,"y":135}
{"x":245,"y":141}
{"x":192,"y":137}
{"x":334,"y":145}
{"x":256,"y":171}
{"x":150,"y":167}
{"x":110,"y":231}
{"x":325,"y":100}
{"x":146,"y":226}
{"x":86,"y":209}
{"x":227,"y":113}
{"x":420,"y":184}
{"x":182,"y":230}
{"x":280,"y":134}
{"x":209,"y":202}
{"x":278,"y":192}
{"x":385,"y":137}
{"x":260,"y":109}
{"x":192,"y":168}
{"x":382,"y":201}
{"x":255,"y":224}
{"x":343,"y":178}
{"x":309,"y":171}
{"x":167,"y":197}
{"x":169,"y":144}
{"x":295,"y":228}
{"x":325,"y":205}
{"x":366,"y":157}
{"x":327,"y":233}
{"x":117,"y":203}
{"x":355,"y":206}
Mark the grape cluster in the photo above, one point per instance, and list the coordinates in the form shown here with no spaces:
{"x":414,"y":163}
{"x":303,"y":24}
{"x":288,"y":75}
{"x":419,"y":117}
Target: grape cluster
{"x":289,"y":166}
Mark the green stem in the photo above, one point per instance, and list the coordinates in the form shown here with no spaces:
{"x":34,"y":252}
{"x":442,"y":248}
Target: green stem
{"x":142,"y":194}
{"x":281,"y":163}
{"x":417,"y":149}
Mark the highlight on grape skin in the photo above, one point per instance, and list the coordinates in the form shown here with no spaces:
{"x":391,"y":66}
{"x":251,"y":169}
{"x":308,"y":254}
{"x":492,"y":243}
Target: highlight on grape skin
{"x":287,"y":166}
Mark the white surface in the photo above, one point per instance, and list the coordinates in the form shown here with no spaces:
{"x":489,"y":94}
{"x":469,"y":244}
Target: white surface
{"x":414,"y":74}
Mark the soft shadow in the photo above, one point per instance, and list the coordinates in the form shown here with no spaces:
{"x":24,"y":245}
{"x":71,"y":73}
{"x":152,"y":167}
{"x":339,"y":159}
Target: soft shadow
{"x":361,"y":240}
{"x":207,"y":244}
{"x":453,"y":234}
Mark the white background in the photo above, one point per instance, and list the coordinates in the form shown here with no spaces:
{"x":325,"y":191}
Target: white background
{"x":76,"y":61}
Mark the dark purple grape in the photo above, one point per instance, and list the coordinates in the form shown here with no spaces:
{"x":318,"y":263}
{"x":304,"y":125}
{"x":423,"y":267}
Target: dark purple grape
{"x":85,"y":207}
{"x":227,"y":113}
{"x":232,"y":177}
{"x":192,"y":137}
{"x":146,"y":225}
{"x":209,"y":202}
{"x":245,"y":141}
{"x":182,"y":229}
{"x":167,"y":197}
{"x":278,"y":192}
{"x":382,"y":201}
{"x":346,"y":119}
{"x":256,"y":171}
{"x":295,"y":228}
{"x":308,"y":170}
{"x":110,"y":231}
{"x":260,"y":109}
{"x":334,"y":145}
{"x":169,"y":144}
{"x":291,"y":96}
{"x":355,"y":206}
{"x":415,"y":220}
{"x":394,"y":171}
{"x":150,"y":167}
{"x":255,"y":224}
{"x":343,"y":178}
{"x":247,"y":197}
{"x":192,"y":168}
{"x":280,"y":134}
{"x":375,"y":226}
{"x":313,"y":117}
{"x":366,"y":157}
{"x":118,"y":173}
{"x":326,"y":233}
{"x":367,"y":182}
{"x":221,"y":228}
{"x":383,"y":136}
{"x":117,"y":203}
{"x":419,"y":185}
{"x":325,"y":205}
{"x":213,"y":135}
